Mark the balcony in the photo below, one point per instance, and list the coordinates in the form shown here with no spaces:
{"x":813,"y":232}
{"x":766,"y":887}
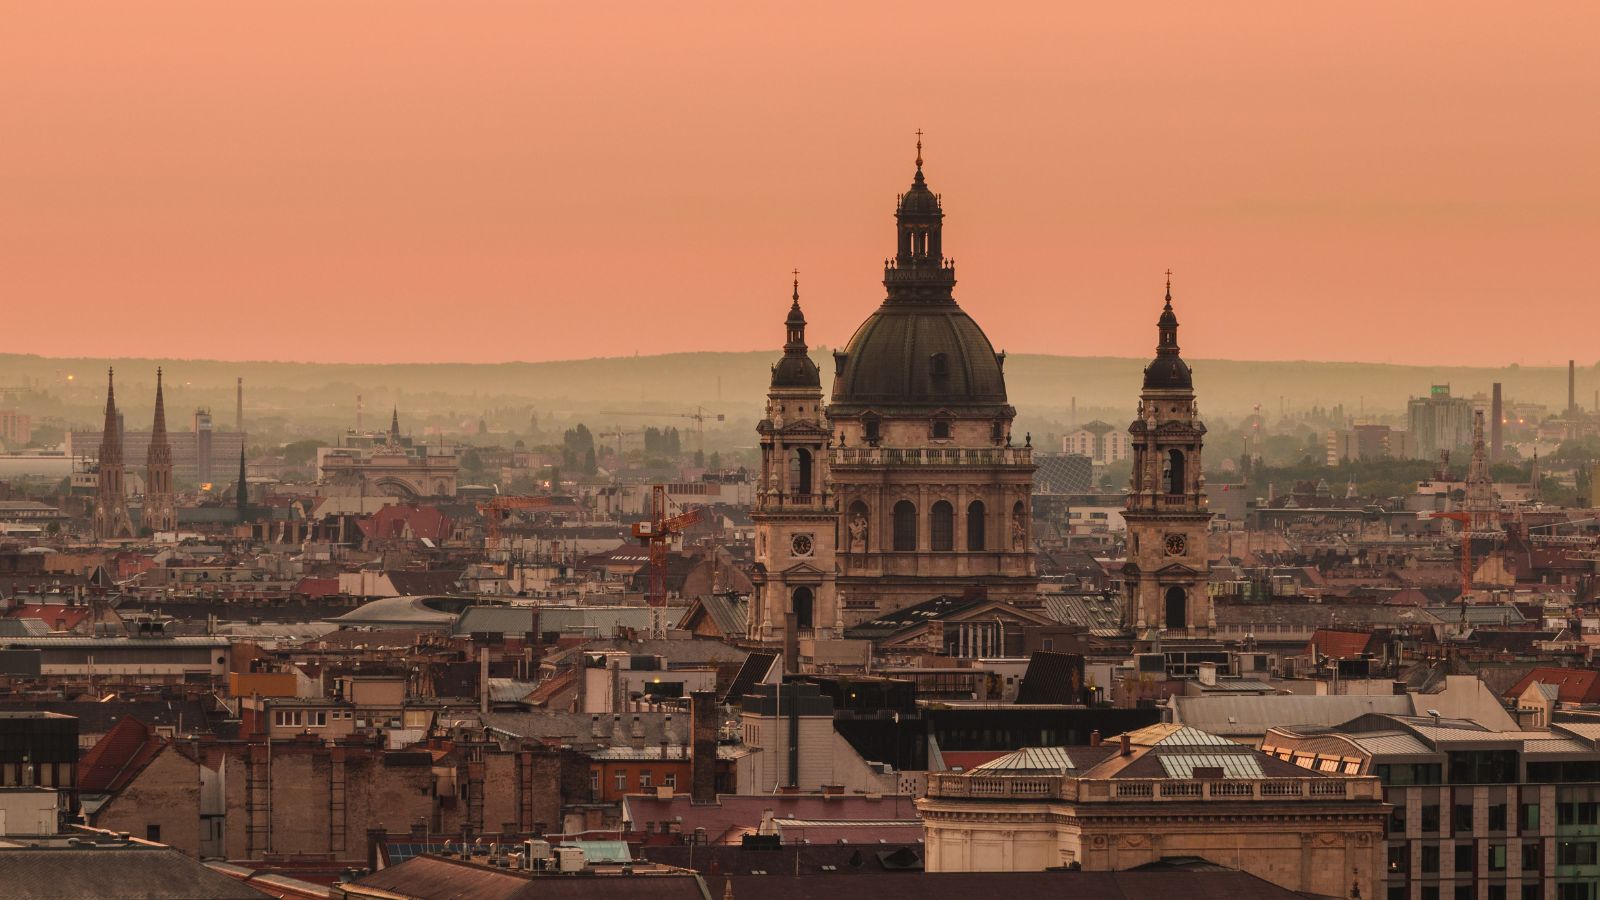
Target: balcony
{"x":1148,"y":790}
{"x":932,"y":456}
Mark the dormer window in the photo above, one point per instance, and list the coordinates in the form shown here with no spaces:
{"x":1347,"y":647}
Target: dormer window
{"x":939,"y":365}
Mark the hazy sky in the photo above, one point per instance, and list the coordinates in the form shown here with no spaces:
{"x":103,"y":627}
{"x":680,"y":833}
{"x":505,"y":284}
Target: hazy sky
{"x":482,"y":181}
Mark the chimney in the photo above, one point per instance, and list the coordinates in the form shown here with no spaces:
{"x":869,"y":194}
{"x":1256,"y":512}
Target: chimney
{"x":483,"y":680}
{"x":619,"y":737}
{"x":637,"y":730}
{"x":1572,"y":388}
{"x":1127,"y":745}
{"x":703,"y":758}
{"x":1094,"y":738}
{"x":596,"y":726}
{"x":1497,"y":410}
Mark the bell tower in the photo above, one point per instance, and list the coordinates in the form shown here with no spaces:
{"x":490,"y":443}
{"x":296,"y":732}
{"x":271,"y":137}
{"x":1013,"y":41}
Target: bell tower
{"x":794,"y":511}
{"x":1167,"y":570}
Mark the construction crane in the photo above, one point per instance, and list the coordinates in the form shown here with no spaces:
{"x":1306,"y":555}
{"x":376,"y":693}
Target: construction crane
{"x":1464,"y":518}
{"x":656,"y":535}
{"x":699,"y":417}
{"x":499,"y":509}
{"x":619,"y":434}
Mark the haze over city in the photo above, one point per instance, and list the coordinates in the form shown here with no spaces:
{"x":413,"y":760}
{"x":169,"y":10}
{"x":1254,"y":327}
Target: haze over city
{"x":398,"y":182}
{"x":590,"y":452}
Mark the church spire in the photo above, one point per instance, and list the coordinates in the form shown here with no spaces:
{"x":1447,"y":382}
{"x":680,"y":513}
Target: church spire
{"x":111,"y":436}
{"x":1168,"y":371}
{"x":919,"y":271}
{"x":795,"y":369}
{"x":159,"y":426}
{"x":394,"y":427}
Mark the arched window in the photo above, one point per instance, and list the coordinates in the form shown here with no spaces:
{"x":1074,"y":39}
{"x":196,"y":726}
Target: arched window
{"x":1175,"y":475}
{"x":800,"y":472}
{"x":942,"y":524}
{"x":976,"y":526}
{"x":804,"y":607}
{"x":1177,"y":608}
{"x":905,"y":526}
{"x":872,"y":428}
{"x":1019,"y":527}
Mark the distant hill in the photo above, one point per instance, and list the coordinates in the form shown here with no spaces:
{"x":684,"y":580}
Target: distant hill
{"x":319,"y":396}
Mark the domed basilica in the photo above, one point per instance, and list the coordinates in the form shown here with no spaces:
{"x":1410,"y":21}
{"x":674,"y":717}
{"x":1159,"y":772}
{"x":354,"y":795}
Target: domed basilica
{"x":908,"y":485}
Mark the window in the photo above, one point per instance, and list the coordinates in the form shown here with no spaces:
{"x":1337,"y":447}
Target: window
{"x":1532,"y":857}
{"x":1430,"y":858}
{"x":1461,"y":818}
{"x":1430,"y":892}
{"x":942,"y":524}
{"x":594,"y":783}
{"x":1497,"y":817}
{"x":1465,"y":892}
{"x":941,"y":430}
{"x":670,"y":779}
{"x":1530,"y":817}
{"x":317,"y":719}
{"x":804,"y":603}
{"x":1466,"y":857}
{"x":1575,"y":890}
{"x":905,"y":526}
{"x":1532,"y":891}
{"x":1400,"y":856}
{"x":939,"y":363}
{"x":997,"y":431}
{"x":1430,"y":819}
{"x":152,"y":833}
{"x":976,"y":526}
{"x":1497,"y":892}
{"x":1575,"y":853}
{"x":800,"y":472}
{"x":871,"y":426}
{"x":1497,"y":857}
{"x":1399,"y":892}
{"x":644,"y":779}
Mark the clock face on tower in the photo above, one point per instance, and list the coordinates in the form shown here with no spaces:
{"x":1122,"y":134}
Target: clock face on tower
{"x":1176,"y":544}
{"x":801,"y":544}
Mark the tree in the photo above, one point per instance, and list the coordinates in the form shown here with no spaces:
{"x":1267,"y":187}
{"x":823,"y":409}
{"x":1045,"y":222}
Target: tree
{"x":300,"y":453}
{"x":590,"y":464}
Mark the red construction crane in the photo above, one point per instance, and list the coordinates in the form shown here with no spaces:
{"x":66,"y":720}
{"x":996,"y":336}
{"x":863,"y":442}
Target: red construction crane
{"x":656,"y":535}
{"x":1463,"y":519}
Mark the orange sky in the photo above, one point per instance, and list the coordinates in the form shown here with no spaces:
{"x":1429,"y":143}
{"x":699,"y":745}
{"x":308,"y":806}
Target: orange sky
{"x":405,"y":181}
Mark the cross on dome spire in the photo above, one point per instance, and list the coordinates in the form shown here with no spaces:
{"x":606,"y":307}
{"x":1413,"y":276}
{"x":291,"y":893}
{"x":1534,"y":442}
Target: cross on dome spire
{"x":919,"y":149}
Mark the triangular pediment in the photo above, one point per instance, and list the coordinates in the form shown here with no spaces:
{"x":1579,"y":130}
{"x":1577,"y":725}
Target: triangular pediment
{"x":1177,"y":569}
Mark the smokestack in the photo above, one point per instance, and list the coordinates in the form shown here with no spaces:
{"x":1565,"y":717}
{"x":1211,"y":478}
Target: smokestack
{"x":703,"y":752}
{"x":1127,"y":745}
{"x":1572,"y":388}
{"x":238,"y":412}
{"x":1498,"y":412}
{"x":483,"y":680}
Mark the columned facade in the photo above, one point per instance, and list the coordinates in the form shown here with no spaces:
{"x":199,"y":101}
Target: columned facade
{"x":933,"y":493}
{"x":1167,"y":570}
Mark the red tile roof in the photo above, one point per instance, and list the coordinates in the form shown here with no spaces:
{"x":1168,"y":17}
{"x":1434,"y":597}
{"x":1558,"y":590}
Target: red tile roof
{"x":1339,"y":644}
{"x":56,"y":616}
{"x":120,"y":754}
{"x":1572,"y":685}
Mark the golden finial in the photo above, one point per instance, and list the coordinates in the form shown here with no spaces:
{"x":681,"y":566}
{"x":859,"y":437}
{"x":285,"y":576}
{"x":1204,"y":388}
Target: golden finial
{"x":919,"y":149}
